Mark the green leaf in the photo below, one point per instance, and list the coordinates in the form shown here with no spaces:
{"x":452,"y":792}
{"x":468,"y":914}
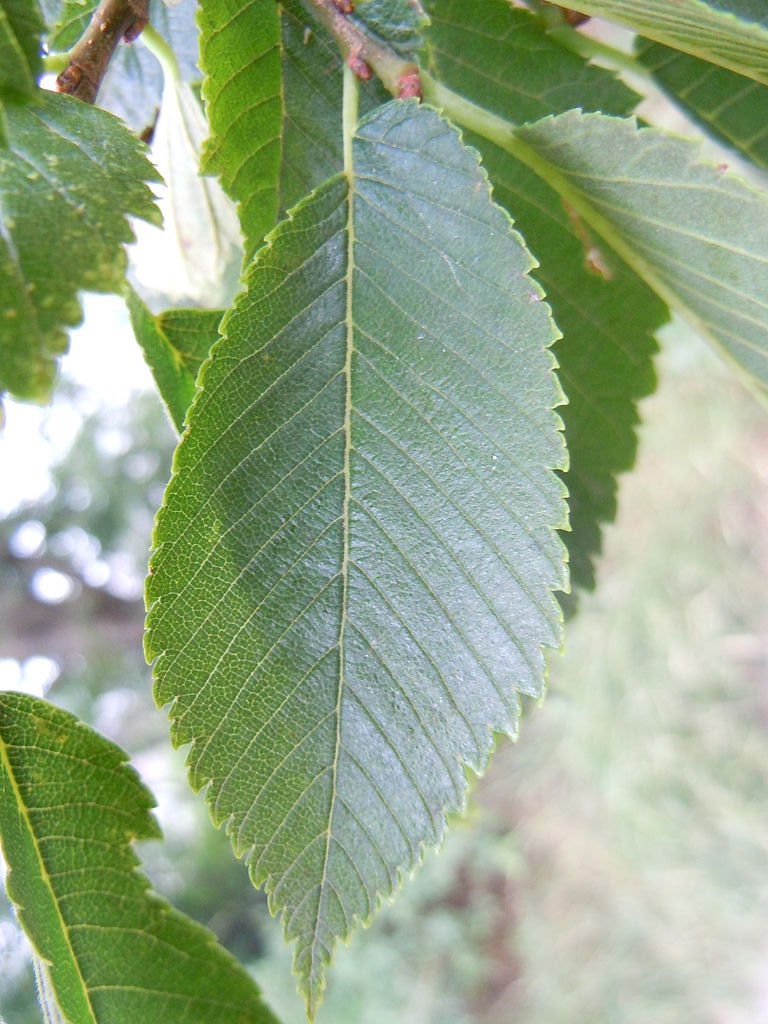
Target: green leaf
{"x":273,"y":96}
{"x":698,"y":236}
{"x":71,"y":21}
{"x":398,"y":23}
{"x":21,"y":25}
{"x":503,"y":59}
{"x":175,"y":343}
{"x":355,"y":556}
{"x":732,"y":33}
{"x":70,"y":808}
{"x":69,"y":175}
{"x":608,"y":317}
{"x":731,"y":108}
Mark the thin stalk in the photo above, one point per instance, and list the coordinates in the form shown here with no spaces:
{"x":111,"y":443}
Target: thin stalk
{"x":112,"y":21}
{"x":160,"y":49}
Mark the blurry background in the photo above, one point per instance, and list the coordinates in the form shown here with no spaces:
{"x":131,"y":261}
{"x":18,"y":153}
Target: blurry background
{"x":612,"y":867}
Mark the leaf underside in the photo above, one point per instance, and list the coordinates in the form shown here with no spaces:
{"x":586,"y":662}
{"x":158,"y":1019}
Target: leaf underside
{"x":696,"y":234}
{"x":730,"y":108}
{"x":69,"y":175}
{"x":731,"y":33}
{"x":112,"y":951}
{"x":606,"y":313}
{"x":355,"y":557}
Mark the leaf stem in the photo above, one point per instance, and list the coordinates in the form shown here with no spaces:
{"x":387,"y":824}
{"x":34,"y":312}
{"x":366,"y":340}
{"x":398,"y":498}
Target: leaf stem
{"x":592,"y":49}
{"x":112,"y":21}
{"x":349,"y":117}
{"x":160,"y":49}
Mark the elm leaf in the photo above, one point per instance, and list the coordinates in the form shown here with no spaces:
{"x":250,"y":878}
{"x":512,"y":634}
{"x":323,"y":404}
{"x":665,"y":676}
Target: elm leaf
{"x":70,"y":175}
{"x":696,"y":234}
{"x":731,"y":33}
{"x":355,"y":559}
{"x":110,"y":950}
{"x":504,"y":59}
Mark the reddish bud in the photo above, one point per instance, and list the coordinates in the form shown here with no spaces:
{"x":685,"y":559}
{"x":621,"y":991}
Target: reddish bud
{"x":409,"y":86}
{"x":359,"y":68}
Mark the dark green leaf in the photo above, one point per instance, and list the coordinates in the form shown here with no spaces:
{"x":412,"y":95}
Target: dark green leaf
{"x":356,"y":554}
{"x":175,"y":345}
{"x":69,"y":175}
{"x":731,"y":108}
{"x":503,"y":59}
{"x":112,"y":951}
{"x":21,"y":25}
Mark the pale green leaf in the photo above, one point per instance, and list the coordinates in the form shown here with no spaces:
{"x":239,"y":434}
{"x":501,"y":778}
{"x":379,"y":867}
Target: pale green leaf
{"x":175,"y":343}
{"x":696,"y":234}
{"x":356,"y":553}
{"x":112,"y":951}
{"x":503,"y":59}
{"x":273,"y":99}
{"x":69,"y":175}
{"x":732,"y":33}
{"x":132,"y":86}
{"x":133,"y":83}
{"x":21,"y":25}
{"x":195,"y":258}
{"x":731,"y":108}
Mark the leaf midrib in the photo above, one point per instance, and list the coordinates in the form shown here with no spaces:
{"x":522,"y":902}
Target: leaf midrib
{"x":24,"y":814}
{"x":349,"y":126}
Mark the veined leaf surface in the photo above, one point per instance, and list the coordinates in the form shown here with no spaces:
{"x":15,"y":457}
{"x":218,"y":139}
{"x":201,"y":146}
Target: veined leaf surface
{"x":503,"y":59}
{"x":273,"y":95}
{"x":732,"y":33}
{"x":356,"y":553}
{"x":731,"y":108}
{"x":697,"y":235}
{"x":69,"y":176}
{"x":112,"y":951}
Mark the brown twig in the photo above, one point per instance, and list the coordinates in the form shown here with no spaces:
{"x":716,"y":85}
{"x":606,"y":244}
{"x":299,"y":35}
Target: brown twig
{"x":112,"y":21}
{"x":392,"y":69}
